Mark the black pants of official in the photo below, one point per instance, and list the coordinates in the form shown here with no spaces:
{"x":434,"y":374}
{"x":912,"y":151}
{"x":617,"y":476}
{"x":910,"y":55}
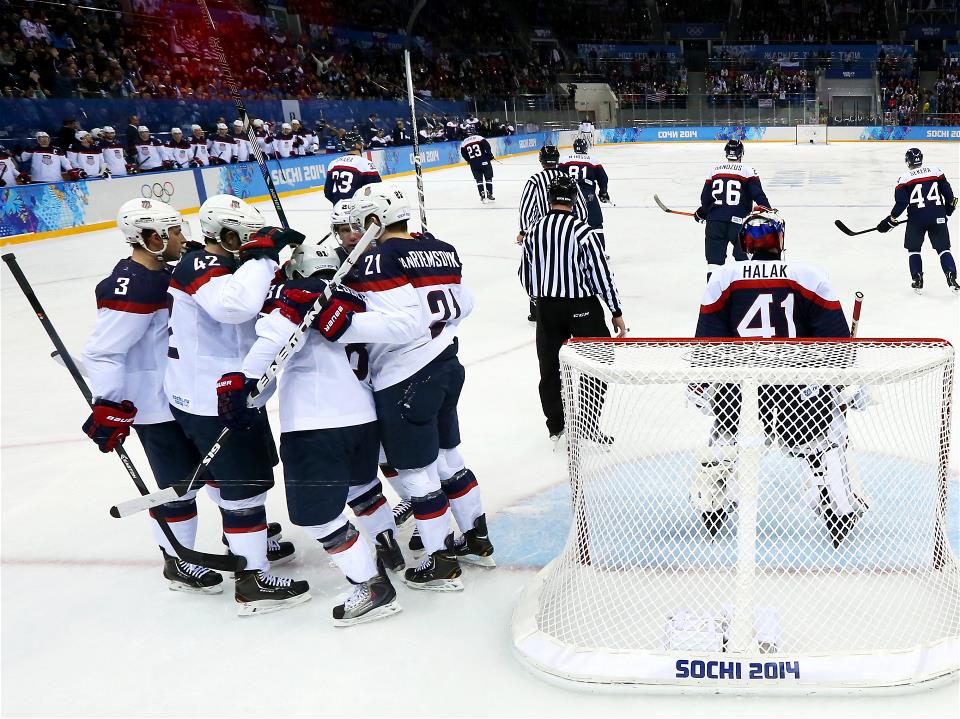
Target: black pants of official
{"x":559,"y":319}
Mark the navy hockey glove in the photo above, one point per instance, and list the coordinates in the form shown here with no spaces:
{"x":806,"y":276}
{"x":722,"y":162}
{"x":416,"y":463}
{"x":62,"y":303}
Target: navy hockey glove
{"x":700,"y":215}
{"x":109,"y":423}
{"x":886,"y":224}
{"x":337,"y":313}
{"x":267,"y":242}
{"x":603,"y":197}
{"x":233,"y":389}
{"x":951,"y":206}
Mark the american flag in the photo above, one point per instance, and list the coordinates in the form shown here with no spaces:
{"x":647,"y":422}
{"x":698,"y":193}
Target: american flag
{"x":191,"y":48}
{"x":657,"y":96}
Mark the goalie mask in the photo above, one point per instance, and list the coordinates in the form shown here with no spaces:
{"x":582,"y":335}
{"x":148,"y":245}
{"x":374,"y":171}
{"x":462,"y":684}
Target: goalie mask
{"x":762,"y":232}
{"x":139,"y":218}
{"x":223,"y":216}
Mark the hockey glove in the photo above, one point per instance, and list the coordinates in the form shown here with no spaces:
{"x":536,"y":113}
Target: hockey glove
{"x":700,"y":215}
{"x":105,"y":172}
{"x":132,"y":169}
{"x":603,"y":197}
{"x":76,"y":174}
{"x":24,"y":178}
{"x":886,"y":224}
{"x":167,"y":164}
{"x":194,"y":163}
{"x":951,"y":206}
{"x":336,"y":315}
{"x":267,"y":242}
{"x":233,"y":389}
{"x":109,"y":423}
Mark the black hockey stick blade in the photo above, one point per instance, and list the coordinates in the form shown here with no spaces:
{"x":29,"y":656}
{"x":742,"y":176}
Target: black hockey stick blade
{"x":851,"y":233}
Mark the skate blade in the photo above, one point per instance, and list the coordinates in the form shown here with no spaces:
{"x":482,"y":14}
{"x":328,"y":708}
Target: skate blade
{"x":284,"y":560}
{"x":382,"y":612}
{"x":266,"y":606}
{"x":477,"y":561}
{"x":175,"y":586}
{"x":398,"y":568}
{"x":437,"y":585}
{"x":919,"y":292}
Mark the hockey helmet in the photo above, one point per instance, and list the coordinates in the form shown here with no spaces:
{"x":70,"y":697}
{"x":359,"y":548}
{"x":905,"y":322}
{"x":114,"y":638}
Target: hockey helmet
{"x":762,"y":232}
{"x":142,"y":215}
{"x":913,"y":157}
{"x":580,"y":146}
{"x":549,"y":155}
{"x":310,"y":260}
{"x":384,"y":201}
{"x":222,"y":214}
{"x":353,"y":141}
{"x":563,"y":190}
{"x":733,"y":150}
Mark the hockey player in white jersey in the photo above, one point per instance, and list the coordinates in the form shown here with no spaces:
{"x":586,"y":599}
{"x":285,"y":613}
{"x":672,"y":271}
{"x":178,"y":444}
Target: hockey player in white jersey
{"x":177,"y":151}
{"x":114,"y":155}
{"x":221,"y":147}
{"x":216,"y":295}
{"x":242,"y":143}
{"x":415,"y":301}
{"x":43,"y":162}
{"x":86,"y":158}
{"x":201,"y":155}
{"x":8,"y":168}
{"x":125,"y":359}
{"x":328,"y":439}
{"x":149,"y":151}
{"x":286,"y":143}
{"x":586,"y":132}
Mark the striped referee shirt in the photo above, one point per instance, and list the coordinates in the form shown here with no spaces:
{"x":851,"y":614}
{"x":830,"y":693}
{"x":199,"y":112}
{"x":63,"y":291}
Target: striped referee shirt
{"x":562,"y":258}
{"x":535,"y":200}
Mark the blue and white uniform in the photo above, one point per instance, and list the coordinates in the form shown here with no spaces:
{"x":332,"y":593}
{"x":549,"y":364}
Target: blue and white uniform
{"x":45,"y":164}
{"x":346,"y":175}
{"x":592,"y":180}
{"x":476,"y":151}
{"x":729,"y":194}
{"x":926,"y":196}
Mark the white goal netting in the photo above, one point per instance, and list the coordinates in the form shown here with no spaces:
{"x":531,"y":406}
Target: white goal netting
{"x":812,"y":135}
{"x":753,"y":514}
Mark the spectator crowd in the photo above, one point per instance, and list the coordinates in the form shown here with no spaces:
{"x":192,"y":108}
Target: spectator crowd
{"x":750,"y":79}
{"x":946,"y":98}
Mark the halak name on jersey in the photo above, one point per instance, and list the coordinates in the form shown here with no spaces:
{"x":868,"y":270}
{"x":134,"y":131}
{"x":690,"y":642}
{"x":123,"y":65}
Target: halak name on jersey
{"x":346,"y":175}
{"x":770,"y":298}
{"x":925,"y":194}
{"x":730,"y":192}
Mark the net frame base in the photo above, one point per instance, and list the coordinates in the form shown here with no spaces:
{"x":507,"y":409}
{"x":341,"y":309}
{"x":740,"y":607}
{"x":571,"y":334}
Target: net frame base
{"x":595,"y":667}
{"x":812,"y":134}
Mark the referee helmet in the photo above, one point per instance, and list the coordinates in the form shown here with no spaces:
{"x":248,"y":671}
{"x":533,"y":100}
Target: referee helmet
{"x":563,"y":190}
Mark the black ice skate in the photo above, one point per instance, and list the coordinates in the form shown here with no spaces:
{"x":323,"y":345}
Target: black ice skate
{"x":371,"y":600}
{"x":713,"y":521}
{"x":490,"y":197}
{"x":839,"y":525}
{"x":415,"y":544}
{"x":474,"y":546}
{"x":402,"y":511}
{"x":280,"y":552}
{"x":260,"y":593}
{"x":438,"y":572}
{"x":186,"y":577}
{"x":952,"y":283}
{"x":388,"y":551}
{"x":917,"y":283}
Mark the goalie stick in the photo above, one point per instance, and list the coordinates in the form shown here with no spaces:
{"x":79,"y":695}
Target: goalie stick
{"x":132,"y":506}
{"x":219,"y":562}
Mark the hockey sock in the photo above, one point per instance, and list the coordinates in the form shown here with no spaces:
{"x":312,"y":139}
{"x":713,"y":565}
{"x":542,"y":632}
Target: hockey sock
{"x":347,"y":548}
{"x":246,"y":532}
{"x":393,"y":476}
{"x":181,"y":517}
{"x":480,"y":189}
{"x":946,"y":262}
{"x":370,"y":506}
{"x":464,"y":497}
{"x":489,"y":189}
{"x":433,"y":519}
{"x":213,"y":491}
{"x":916,"y":264}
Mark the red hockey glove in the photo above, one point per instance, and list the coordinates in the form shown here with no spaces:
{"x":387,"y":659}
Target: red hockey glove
{"x":109,"y":423}
{"x":233,"y":389}
{"x":336,"y":315}
{"x":267,"y":242}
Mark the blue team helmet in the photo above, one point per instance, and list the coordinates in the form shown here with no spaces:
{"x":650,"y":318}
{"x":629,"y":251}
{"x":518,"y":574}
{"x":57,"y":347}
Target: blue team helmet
{"x":762,"y":232}
{"x":580,"y":146}
{"x":913,"y":157}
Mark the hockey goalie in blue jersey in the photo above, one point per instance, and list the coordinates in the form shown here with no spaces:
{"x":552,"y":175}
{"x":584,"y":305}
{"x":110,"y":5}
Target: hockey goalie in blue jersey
{"x":766,"y":297}
{"x":925,"y":195}
{"x":415,"y":301}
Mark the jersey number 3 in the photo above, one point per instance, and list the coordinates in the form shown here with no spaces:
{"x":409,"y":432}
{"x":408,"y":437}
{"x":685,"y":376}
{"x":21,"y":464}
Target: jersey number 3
{"x":759,"y":321}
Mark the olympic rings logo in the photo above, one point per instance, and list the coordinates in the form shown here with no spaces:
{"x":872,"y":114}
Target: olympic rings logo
{"x":161,"y":191}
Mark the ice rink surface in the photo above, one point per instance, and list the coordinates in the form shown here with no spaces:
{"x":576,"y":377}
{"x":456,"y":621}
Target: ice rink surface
{"x":88,"y":625}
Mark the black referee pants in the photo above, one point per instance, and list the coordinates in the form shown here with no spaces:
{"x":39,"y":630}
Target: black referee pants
{"x":559,"y":319}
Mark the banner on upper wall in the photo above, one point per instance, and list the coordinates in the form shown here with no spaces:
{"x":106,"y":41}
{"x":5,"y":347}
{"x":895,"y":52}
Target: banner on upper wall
{"x":918,"y":133}
{"x":834,"y":52}
{"x":919,"y":31}
{"x":626,"y":52}
{"x":684,"y":134}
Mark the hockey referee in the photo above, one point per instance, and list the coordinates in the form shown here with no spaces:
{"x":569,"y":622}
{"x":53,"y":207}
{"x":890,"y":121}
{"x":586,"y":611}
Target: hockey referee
{"x":535,"y":203}
{"x":565,"y":271}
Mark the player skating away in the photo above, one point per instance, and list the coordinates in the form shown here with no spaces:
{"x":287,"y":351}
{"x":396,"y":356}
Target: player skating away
{"x":216,"y":295}
{"x":349,"y":173}
{"x":125,"y":359}
{"x":765,"y":296}
{"x":729,"y":195}
{"x":925,"y":194}
{"x":476,"y":151}
{"x":42,"y":162}
{"x":592,"y":180}
{"x":328,"y":439}
{"x":415,"y":301}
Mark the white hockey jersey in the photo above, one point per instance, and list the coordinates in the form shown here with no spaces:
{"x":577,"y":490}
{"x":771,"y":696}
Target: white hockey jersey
{"x":126,"y":355}
{"x":200,"y":152}
{"x":242,"y":148}
{"x":46,"y":164}
{"x":114,"y":158}
{"x":213,"y":311}
{"x":318,"y":388}
{"x":222,"y":148}
{"x":283,"y":145}
{"x":88,"y":159}
{"x":149,"y":153}
{"x":415,"y":300}
{"x":8,"y":170}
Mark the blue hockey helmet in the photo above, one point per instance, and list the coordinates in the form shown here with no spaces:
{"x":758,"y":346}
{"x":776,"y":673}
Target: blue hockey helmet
{"x":733,"y":150}
{"x":762,"y":232}
{"x":580,"y":146}
{"x":913,"y":157}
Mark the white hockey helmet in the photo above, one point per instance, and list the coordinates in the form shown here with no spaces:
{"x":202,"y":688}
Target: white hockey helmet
{"x":108,"y":130}
{"x":141,"y":213}
{"x":96,"y":132}
{"x":340,"y":214}
{"x":176,"y":131}
{"x":309,"y":260}
{"x":383,"y":200}
{"x":225,"y":213}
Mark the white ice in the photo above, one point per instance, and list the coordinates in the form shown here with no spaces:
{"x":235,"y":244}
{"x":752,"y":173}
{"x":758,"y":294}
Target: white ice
{"x":88,"y":625}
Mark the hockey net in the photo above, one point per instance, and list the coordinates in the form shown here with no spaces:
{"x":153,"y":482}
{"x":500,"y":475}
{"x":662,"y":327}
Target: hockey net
{"x":752,"y":515}
{"x":812,"y":135}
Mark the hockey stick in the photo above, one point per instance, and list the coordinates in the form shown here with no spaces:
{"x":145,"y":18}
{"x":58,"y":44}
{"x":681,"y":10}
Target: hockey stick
{"x":851,"y":233}
{"x":857,"y":304}
{"x":417,"y":160}
{"x":242,"y":112}
{"x":132,"y":506}
{"x":667,"y":209}
{"x":219,"y":562}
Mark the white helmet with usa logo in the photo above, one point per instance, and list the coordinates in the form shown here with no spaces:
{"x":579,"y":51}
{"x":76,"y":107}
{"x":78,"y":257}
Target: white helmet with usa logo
{"x":140,"y":217}
{"x":223,"y":215}
{"x":383,"y":202}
